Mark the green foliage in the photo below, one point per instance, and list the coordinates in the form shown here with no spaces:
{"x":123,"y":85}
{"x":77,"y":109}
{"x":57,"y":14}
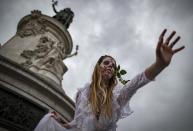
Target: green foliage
{"x":118,"y":67}
{"x":121,"y":72}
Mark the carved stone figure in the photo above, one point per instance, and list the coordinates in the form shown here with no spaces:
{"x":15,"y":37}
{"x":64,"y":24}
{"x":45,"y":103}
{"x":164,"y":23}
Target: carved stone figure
{"x":53,"y":61}
{"x":48,"y":56}
{"x":34,"y":56}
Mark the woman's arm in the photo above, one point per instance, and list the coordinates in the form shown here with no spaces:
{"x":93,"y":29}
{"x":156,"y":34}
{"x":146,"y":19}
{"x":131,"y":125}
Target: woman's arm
{"x":126,"y":92}
{"x":62,"y":122}
{"x":164,"y":53}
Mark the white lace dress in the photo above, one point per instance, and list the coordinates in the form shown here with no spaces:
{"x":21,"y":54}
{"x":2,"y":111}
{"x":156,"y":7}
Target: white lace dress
{"x":85,"y":120}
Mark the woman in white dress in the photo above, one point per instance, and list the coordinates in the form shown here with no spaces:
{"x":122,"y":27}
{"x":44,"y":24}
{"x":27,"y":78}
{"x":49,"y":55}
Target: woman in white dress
{"x":101,"y":103}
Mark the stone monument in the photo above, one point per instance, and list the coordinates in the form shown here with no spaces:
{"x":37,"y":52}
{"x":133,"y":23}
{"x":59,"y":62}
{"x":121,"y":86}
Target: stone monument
{"x":31,"y":71}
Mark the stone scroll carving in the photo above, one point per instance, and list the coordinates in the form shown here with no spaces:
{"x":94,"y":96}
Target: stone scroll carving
{"x":33,"y":25}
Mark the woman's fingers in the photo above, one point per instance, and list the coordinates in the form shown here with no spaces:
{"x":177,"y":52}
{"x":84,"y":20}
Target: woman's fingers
{"x":178,"y":49}
{"x":174,"y":42}
{"x":170,"y":37}
{"x":163,"y":33}
{"x":160,"y":42}
{"x":67,"y":126}
{"x":54,"y":114}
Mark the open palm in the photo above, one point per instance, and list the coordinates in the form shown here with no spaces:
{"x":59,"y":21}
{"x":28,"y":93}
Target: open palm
{"x":164,"y":51}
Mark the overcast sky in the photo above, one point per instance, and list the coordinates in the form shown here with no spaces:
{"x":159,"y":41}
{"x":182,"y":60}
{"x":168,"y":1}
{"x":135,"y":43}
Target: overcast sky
{"x":128,"y":30}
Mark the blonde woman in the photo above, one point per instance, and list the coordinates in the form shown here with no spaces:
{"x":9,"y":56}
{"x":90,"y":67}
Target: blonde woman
{"x":100,"y":104}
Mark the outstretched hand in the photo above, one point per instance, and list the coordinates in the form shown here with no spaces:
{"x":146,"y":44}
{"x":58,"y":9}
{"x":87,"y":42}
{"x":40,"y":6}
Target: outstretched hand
{"x":164,"y":53}
{"x":164,"y":50}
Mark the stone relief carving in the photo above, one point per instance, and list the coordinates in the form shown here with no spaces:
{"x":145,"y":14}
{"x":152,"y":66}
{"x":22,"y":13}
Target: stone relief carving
{"x":48,"y":55}
{"x":34,"y":56}
{"x":34,"y":25}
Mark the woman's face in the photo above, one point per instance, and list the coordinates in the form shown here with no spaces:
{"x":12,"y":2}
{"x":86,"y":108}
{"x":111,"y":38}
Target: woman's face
{"x":107,"y":67}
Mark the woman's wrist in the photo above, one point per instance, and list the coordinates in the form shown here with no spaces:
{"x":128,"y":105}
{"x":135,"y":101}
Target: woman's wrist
{"x":152,"y":71}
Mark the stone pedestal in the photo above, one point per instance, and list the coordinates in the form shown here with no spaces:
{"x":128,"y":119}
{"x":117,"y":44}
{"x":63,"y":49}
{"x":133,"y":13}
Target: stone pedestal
{"x":40,"y":44}
{"x":31,"y":71}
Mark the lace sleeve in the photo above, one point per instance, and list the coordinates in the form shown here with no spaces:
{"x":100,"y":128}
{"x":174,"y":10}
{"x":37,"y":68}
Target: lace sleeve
{"x":81,"y":107}
{"x":77,"y":102}
{"x":77,"y":111}
{"x":125,"y":93}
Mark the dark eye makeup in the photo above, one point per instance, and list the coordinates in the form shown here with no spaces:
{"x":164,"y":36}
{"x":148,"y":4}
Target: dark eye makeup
{"x":106,"y":62}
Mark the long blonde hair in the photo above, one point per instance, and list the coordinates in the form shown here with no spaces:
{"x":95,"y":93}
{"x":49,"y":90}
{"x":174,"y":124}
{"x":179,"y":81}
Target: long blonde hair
{"x":106,"y":93}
